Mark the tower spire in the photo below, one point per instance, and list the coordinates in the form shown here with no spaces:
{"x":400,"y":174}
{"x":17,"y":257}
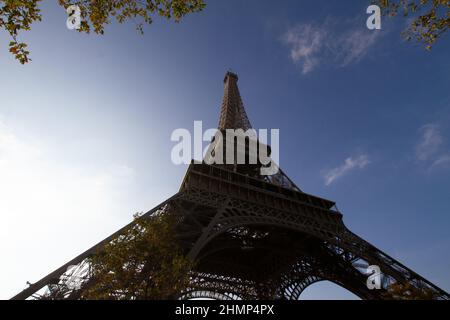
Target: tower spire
{"x":232,"y":114}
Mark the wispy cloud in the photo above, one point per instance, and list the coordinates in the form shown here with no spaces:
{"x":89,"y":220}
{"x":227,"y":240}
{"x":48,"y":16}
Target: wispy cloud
{"x":306,"y":42}
{"x":430,"y":141}
{"x":355,"y":45}
{"x":350,"y":164}
{"x":442,"y":161}
{"x":311,"y":45}
{"x":430,"y":149}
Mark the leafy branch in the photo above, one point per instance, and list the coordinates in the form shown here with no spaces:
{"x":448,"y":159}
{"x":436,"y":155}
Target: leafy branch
{"x":430,"y":19}
{"x":18,"y":15}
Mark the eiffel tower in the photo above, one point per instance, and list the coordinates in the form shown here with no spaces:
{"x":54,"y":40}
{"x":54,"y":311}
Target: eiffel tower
{"x":252,"y":236}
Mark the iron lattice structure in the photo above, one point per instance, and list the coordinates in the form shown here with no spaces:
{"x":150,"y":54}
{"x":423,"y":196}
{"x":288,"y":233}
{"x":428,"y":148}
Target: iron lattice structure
{"x":252,"y":236}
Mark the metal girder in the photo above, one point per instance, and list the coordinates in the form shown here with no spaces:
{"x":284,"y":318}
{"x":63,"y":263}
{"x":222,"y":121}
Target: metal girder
{"x":226,"y":223}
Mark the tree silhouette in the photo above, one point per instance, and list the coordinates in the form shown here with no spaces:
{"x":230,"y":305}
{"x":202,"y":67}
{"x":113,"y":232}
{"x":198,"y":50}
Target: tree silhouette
{"x":19,"y":15}
{"x":399,"y":291}
{"x":145,"y":262}
{"x":430,"y":19}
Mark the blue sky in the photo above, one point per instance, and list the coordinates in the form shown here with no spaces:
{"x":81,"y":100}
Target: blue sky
{"x":85,"y":127}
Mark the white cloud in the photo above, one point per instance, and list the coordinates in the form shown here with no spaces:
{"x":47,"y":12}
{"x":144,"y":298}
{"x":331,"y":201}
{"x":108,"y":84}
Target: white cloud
{"x":430,"y":149}
{"x":442,"y":161}
{"x":430,"y":141}
{"x":52,"y":211}
{"x":312,"y":45}
{"x":306,"y":42}
{"x":355,"y":45}
{"x":349,"y":164}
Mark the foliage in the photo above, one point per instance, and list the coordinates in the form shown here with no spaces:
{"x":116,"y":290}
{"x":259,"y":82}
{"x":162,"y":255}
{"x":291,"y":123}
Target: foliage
{"x":15,"y":16}
{"x":399,"y":291}
{"x":18,"y":15}
{"x":145,"y":262}
{"x":430,"y":19}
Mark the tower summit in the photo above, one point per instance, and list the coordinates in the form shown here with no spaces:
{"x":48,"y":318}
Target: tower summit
{"x":232,"y":113}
